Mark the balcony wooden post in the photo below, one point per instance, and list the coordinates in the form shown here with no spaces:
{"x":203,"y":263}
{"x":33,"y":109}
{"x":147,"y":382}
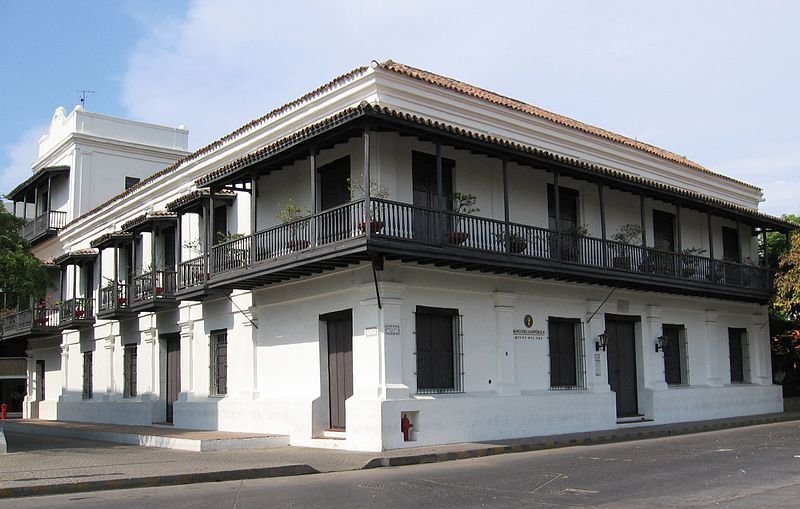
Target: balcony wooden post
{"x":49,"y":198}
{"x":679,"y":242}
{"x":99,"y":277}
{"x":211,"y":232}
{"x":506,"y":213}
{"x":153,"y":264}
{"x":765,"y":250}
{"x":711,"y":247}
{"x":253,"y":216}
{"x":132,"y":281}
{"x":602,"y":200}
{"x":115,"y":276}
{"x":641,"y":211}
{"x":312,"y":167}
{"x":25,"y":207}
{"x":367,"y":205}
{"x":557,"y":200}
{"x":178,"y":245}
{"x":440,"y":193}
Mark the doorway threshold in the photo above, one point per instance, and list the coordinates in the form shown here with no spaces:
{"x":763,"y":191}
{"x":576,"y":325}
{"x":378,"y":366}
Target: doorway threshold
{"x":633,"y":419}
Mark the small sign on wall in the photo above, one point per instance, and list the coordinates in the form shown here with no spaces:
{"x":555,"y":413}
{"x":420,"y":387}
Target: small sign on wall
{"x":529,"y":331}
{"x":371,"y":331}
{"x":392,"y":330}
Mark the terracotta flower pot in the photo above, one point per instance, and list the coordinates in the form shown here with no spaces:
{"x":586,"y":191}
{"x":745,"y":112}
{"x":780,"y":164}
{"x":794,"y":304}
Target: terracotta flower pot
{"x":457,"y":237}
{"x":374,"y":226}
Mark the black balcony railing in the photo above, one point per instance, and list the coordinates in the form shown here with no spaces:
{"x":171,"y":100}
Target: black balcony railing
{"x":114,"y":298}
{"x":76,"y":310}
{"x":47,"y":222}
{"x":31,"y":321}
{"x":417,"y":225}
{"x":192,"y":273}
{"x":158,"y":284}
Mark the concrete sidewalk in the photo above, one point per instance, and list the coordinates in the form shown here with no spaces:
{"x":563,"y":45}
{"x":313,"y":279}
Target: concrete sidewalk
{"x":44,"y":464}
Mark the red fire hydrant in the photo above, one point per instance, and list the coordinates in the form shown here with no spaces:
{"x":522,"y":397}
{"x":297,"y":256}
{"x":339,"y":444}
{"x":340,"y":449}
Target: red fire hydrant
{"x":3,"y":409}
{"x":406,"y":426}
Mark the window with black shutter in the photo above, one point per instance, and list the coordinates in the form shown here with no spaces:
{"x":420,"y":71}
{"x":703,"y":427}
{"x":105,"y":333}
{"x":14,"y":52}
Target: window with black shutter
{"x":675,"y":365}
{"x":438,"y":340}
{"x":129,"y":372}
{"x":566,"y":353}
{"x":219,"y":362}
{"x":87,"y":392}
{"x":739,"y":358}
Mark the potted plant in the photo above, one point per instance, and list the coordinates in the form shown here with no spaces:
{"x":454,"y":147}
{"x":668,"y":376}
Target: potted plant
{"x":627,"y":235}
{"x":463,"y":205}
{"x":235,"y":254}
{"x":516,"y":243}
{"x":291,"y":215}
{"x":378,"y":191}
{"x":567,"y":241}
{"x":690,"y":262}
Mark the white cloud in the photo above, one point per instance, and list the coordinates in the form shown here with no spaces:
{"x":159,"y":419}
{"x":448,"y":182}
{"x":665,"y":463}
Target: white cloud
{"x":691,"y":79}
{"x":20,"y":155}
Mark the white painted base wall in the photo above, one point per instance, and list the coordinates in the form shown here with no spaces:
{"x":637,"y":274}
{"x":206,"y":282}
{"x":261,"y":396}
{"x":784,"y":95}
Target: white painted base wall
{"x":277,"y":374}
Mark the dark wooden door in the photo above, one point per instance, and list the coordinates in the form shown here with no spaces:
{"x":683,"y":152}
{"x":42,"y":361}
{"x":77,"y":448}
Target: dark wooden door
{"x":426,"y":194}
{"x":340,"y":365}
{"x":621,"y":352}
{"x":40,"y":380}
{"x":173,"y":372}
{"x":334,"y":190}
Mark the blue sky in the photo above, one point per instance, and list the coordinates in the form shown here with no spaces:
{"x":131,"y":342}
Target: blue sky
{"x":715,"y":81}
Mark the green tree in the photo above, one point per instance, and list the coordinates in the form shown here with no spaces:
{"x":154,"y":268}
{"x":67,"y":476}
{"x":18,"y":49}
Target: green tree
{"x":22,"y":276}
{"x":777,"y":244}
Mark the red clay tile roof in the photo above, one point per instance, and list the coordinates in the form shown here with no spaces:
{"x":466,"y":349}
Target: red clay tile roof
{"x":102,"y":239}
{"x":143,"y":218}
{"x":364,"y":108}
{"x":80,"y":253}
{"x":198,"y":194}
{"x":486,"y":95}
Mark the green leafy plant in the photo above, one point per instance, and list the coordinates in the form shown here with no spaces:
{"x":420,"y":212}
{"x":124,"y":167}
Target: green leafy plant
{"x":628,"y":234}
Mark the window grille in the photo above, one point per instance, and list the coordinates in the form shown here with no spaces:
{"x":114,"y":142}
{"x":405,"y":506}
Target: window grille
{"x":87,"y":392}
{"x":219,"y":363}
{"x":439,"y":350}
{"x":129,"y":371}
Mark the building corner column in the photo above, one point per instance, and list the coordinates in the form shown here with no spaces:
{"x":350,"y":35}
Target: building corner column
{"x":390,"y":334}
{"x":187,"y":364}
{"x":249,"y":355}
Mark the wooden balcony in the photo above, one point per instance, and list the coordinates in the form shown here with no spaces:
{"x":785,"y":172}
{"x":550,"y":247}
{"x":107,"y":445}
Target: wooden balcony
{"x":77,"y":313}
{"x":399,"y":231}
{"x":154,"y":291}
{"x":114,"y":302}
{"x":43,"y":226}
{"x":31,"y":324}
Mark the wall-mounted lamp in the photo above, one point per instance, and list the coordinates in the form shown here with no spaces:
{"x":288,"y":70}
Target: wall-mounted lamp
{"x":602,"y":341}
{"x":661,"y":343}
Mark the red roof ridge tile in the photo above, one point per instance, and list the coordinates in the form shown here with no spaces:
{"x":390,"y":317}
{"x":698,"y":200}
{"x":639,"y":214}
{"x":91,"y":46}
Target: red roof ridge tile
{"x":501,"y":100}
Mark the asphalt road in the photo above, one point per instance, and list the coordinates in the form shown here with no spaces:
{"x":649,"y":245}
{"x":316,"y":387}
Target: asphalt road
{"x":749,"y":468}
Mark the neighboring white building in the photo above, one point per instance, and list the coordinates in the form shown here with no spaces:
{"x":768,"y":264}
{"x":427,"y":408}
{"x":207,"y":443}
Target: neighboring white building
{"x":602,"y":281}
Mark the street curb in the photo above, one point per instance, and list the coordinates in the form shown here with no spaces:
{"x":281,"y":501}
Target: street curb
{"x":157,"y":481}
{"x":591,"y":438}
{"x":535,"y":444}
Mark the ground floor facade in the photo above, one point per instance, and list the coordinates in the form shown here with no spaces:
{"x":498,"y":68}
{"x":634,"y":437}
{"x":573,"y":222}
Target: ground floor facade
{"x":342,"y":360}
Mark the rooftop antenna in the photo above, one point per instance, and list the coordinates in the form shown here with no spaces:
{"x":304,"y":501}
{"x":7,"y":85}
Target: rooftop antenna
{"x":83,"y":96}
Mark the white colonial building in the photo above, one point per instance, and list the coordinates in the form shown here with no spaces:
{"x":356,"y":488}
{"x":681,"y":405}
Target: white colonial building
{"x":397,"y":243}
